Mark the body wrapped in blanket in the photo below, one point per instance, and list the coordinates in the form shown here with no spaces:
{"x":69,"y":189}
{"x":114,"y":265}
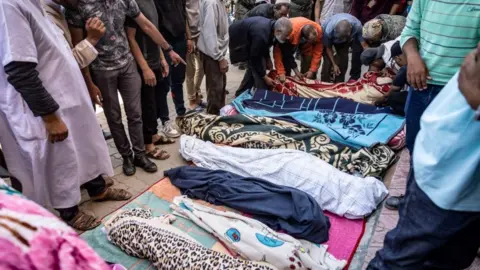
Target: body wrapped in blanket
{"x":372,"y":87}
{"x":268,"y":133}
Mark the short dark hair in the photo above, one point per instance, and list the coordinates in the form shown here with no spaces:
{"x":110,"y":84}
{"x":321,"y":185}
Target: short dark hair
{"x":279,"y":6}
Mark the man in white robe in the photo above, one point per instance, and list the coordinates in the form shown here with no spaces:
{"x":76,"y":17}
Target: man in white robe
{"x":48,"y":130}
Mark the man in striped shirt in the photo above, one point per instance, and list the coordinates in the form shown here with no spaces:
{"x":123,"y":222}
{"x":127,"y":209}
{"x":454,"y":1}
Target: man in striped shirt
{"x":436,"y":38}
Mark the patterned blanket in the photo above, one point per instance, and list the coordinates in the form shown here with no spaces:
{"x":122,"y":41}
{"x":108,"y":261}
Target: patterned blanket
{"x":354,"y":124}
{"x":371,"y":88}
{"x":268,"y":133}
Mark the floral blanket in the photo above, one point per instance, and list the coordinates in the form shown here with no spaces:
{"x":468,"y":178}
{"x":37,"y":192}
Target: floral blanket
{"x":354,"y":124}
{"x":372,"y":87}
{"x":268,"y":133}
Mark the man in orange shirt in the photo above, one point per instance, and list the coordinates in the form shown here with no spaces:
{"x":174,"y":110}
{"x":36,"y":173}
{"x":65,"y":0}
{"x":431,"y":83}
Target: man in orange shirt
{"x":306,"y":35}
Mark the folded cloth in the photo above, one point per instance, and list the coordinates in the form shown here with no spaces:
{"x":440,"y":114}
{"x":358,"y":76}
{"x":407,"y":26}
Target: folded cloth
{"x":348,"y":122}
{"x":337,"y":192}
{"x":267,"y":133}
{"x":140,"y":234}
{"x":279,"y":207}
{"x":253,"y":240}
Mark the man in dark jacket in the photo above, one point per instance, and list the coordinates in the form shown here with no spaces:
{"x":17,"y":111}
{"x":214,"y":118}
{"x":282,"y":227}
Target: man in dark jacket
{"x":250,"y":41}
{"x":271,"y":11}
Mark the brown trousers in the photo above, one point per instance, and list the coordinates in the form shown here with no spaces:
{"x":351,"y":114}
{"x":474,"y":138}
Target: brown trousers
{"x":216,"y":82}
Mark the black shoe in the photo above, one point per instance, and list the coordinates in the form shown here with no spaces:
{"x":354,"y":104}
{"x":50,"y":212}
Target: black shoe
{"x":145,"y":163}
{"x":393,"y":202}
{"x":106,"y":135}
{"x":128,"y":166}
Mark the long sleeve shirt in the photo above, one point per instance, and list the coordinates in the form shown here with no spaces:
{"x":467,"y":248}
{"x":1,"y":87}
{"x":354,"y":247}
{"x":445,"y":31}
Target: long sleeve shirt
{"x":315,"y":50}
{"x":330,"y":36}
{"x":213,"y":39}
{"x":84,"y":52}
{"x":446,"y":32}
{"x":193,"y":17}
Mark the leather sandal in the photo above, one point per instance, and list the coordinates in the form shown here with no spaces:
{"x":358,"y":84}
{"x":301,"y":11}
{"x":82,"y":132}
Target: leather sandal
{"x":113,"y":194}
{"x":84,"y":222}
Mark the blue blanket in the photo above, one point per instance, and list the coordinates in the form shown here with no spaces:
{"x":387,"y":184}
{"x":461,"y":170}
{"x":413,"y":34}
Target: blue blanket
{"x":351,"y":123}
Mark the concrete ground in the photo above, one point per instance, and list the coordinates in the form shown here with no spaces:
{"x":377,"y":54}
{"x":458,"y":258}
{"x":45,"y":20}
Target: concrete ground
{"x":375,"y":230}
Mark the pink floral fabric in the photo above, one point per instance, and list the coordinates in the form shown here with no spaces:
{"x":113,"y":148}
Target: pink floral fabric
{"x":31,"y":238}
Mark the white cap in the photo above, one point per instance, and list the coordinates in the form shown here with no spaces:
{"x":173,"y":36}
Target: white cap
{"x":282,"y":2}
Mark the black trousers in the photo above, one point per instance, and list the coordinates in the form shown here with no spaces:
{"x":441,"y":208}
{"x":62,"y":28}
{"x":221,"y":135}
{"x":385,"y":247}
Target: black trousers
{"x":251,"y":79}
{"x":341,"y":58}
{"x":94,"y":188}
{"x":149,"y":104}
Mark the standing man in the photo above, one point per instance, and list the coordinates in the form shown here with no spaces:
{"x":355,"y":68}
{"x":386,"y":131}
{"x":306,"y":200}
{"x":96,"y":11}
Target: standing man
{"x":172,"y":23}
{"x":153,"y":68}
{"x":366,"y":10}
{"x":342,"y":31}
{"x":280,"y":9}
{"x":434,"y":51}
{"x":325,"y":9}
{"x":115,"y":71}
{"x":194,"y":73}
{"x":301,"y":8}
{"x":439,"y":221}
{"x":251,"y":40}
{"x":48,"y":131}
{"x":213,"y":46}
{"x":306,"y":36}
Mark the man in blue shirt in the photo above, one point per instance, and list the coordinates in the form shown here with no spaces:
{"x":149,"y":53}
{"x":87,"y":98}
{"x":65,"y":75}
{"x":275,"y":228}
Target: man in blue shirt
{"x":342,"y":31}
{"x":440,"y":218}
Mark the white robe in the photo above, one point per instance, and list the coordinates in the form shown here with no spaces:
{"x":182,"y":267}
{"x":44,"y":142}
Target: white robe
{"x":51,"y":174}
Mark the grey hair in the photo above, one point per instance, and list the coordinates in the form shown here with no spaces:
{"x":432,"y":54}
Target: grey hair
{"x":343,"y":28}
{"x":283,"y":25}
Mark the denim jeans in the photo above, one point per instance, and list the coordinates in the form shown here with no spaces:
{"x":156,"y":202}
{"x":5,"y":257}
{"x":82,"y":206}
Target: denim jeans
{"x":174,"y":82}
{"x":428,"y":237}
{"x":417,"y":103}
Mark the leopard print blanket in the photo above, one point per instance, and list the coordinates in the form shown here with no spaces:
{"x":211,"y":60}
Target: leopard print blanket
{"x":140,"y":234}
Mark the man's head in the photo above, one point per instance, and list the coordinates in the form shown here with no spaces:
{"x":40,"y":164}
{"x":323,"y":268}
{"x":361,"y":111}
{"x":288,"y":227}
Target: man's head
{"x":398,"y":55}
{"x":372,"y":31}
{"x":309,"y":32}
{"x":343,"y":31}
{"x":372,"y":57}
{"x":68,"y":4}
{"x":282,"y":29}
{"x":281,"y":8}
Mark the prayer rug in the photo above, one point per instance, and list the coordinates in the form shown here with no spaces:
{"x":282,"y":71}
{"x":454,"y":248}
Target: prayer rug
{"x":344,"y":234}
{"x":372,"y":87}
{"x":267,"y":133}
{"x":354,"y":124}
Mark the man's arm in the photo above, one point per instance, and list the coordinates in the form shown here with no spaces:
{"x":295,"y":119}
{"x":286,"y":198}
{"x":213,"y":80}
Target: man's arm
{"x":147,"y":73}
{"x":417,"y":72}
{"x":317,"y":52}
{"x":152,"y":31}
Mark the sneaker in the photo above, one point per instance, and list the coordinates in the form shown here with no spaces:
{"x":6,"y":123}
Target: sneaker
{"x":170,"y":130}
{"x":393,"y":202}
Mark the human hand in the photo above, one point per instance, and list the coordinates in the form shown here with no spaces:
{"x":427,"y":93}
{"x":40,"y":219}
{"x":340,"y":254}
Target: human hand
{"x":95,"y":94}
{"x":176,"y":59}
{"x":336,"y":70}
{"x":269,"y":81}
{"x":223,"y":65}
{"x":417,"y":72}
{"x":298,"y":74}
{"x":309,"y":75}
{"x":149,"y":77}
{"x":282,"y":78}
{"x":95,"y":30}
{"x":165,"y":68}
{"x":469,"y":79}
{"x":56,"y":128}
{"x":190,"y":46}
